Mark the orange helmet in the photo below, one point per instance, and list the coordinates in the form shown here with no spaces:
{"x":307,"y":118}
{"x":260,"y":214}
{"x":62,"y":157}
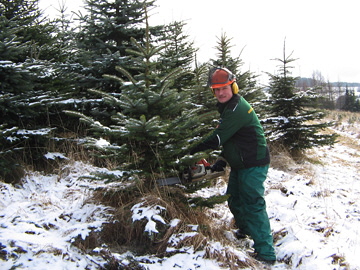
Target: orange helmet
{"x":219,"y":77}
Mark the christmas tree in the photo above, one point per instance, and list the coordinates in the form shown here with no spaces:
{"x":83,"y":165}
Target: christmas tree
{"x":155,"y":122}
{"x":291,"y":121}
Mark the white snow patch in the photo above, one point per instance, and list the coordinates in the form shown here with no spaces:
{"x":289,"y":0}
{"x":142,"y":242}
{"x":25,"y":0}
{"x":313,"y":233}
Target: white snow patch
{"x":150,"y":213}
{"x":53,"y":156}
{"x":102,"y":143}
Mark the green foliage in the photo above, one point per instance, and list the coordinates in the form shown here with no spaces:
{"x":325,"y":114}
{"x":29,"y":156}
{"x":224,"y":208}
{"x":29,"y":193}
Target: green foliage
{"x":177,"y":52}
{"x":154,"y":121}
{"x":208,"y":202}
{"x":289,"y":121}
{"x":32,"y":83}
{"x":106,"y":32}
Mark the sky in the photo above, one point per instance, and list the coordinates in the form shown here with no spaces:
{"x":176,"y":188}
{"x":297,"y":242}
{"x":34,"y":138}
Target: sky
{"x":321,"y":34}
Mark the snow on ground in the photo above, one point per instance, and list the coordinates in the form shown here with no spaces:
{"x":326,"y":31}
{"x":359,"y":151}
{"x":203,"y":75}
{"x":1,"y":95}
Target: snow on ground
{"x":41,"y":218}
{"x":318,"y":211}
{"x":313,"y":208}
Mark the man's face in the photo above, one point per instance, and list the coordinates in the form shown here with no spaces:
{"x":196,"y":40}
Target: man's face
{"x":223,"y":94}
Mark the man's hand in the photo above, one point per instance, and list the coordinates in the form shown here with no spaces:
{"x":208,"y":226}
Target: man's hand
{"x":218,"y":166}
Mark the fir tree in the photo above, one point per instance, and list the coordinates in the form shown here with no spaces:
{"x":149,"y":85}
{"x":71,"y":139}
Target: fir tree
{"x":104,"y":37}
{"x":224,"y":55}
{"x":29,"y":56}
{"x":25,"y":51}
{"x":65,"y":33}
{"x":178,"y":52}
{"x":246,"y":80}
{"x":154,"y":123}
{"x":289,"y":117}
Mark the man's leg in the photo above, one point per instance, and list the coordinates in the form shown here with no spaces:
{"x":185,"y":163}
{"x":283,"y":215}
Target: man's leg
{"x":256,"y":218}
{"x":235,"y":201}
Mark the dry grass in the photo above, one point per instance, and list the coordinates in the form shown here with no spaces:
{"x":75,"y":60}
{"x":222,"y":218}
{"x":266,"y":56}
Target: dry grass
{"x":74,"y":151}
{"x":228,"y":258}
{"x":124,"y":199}
{"x":283,"y":160}
{"x":348,"y":122}
{"x":340,"y":260}
{"x":344,"y":122}
{"x":122,"y":234}
{"x":280,"y":157}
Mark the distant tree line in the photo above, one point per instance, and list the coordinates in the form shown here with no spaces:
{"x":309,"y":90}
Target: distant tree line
{"x":113,"y":76}
{"x":332,"y":95}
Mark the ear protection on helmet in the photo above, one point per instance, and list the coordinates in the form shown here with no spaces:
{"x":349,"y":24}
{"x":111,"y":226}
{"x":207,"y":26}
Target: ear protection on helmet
{"x":235,"y":88}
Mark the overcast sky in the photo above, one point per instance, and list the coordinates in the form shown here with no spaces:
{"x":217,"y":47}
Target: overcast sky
{"x":322,"y":34}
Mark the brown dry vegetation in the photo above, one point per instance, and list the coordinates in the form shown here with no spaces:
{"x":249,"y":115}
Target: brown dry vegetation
{"x":122,"y":234}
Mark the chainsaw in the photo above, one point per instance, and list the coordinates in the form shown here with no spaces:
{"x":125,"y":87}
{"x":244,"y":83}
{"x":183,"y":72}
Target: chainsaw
{"x":201,"y":170}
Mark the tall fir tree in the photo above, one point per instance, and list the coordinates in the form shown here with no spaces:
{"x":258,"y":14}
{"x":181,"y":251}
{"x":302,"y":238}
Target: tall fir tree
{"x":180,"y":52}
{"x":289,"y":117}
{"x":154,"y":123}
{"x":30,"y":42}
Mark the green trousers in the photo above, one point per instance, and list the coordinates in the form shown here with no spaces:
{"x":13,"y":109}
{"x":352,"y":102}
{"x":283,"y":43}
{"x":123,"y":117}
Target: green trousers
{"x":247,"y":204}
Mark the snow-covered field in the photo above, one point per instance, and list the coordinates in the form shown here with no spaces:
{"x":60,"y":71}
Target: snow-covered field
{"x":317,"y":211}
{"x":313,"y":208}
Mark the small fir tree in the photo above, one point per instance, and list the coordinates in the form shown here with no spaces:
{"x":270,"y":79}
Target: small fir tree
{"x":289,"y":121}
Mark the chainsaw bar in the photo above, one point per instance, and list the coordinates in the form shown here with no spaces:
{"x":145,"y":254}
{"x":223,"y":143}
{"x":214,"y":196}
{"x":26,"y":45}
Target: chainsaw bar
{"x":200,"y":171}
{"x":177,"y":180}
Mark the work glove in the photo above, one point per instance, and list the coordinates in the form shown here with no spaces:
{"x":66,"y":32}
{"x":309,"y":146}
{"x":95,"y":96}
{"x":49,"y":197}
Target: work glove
{"x":218,"y":166}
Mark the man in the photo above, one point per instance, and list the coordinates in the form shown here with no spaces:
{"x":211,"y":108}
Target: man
{"x":244,"y":148}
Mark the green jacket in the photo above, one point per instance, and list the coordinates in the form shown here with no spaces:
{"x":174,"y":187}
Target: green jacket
{"x":240,"y":134}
